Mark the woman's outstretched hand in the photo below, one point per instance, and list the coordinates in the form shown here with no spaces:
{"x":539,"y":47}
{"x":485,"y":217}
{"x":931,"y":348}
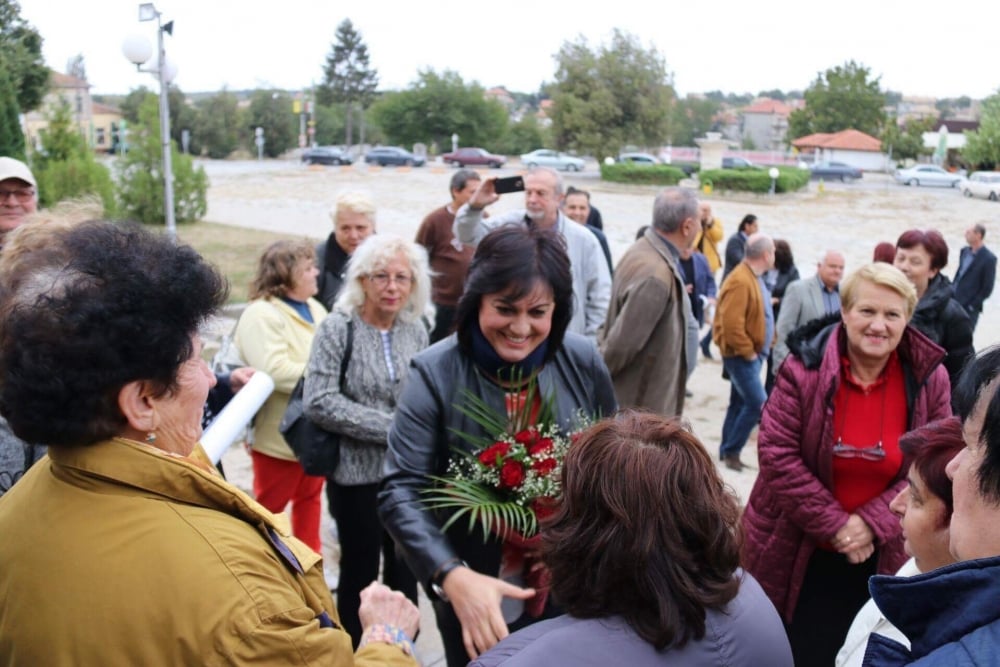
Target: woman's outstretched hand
{"x":476,"y":600}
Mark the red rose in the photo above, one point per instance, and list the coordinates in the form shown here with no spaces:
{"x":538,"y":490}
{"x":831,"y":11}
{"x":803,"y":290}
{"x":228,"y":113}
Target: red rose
{"x":491,"y":456}
{"x":527,"y":437}
{"x":545,"y":466}
{"x":511,"y":474}
{"x":541,"y":445}
{"x":573,"y":437}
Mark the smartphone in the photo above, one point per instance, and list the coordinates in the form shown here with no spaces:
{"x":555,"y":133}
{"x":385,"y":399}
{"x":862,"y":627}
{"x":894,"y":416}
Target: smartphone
{"x":509,"y":184}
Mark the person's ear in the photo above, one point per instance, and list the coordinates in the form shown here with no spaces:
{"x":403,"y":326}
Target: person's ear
{"x":136,"y":402}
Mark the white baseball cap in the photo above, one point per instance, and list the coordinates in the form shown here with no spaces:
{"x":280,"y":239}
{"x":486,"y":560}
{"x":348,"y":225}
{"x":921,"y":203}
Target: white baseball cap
{"x":11,"y":168}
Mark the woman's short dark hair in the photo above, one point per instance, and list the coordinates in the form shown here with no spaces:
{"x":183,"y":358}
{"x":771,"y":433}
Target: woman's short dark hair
{"x":884,"y":252}
{"x":275,"y":275}
{"x":929,"y":449}
{"x":931,"y":240}
{"x":516,"y":258}
{"x":783,"y":258}
{"x":747,"y":220}
{"x":101,"y":305}
{"x":646,"y":529}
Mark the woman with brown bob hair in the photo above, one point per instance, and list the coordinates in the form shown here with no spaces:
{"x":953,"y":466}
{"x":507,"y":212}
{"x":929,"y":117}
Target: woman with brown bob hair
{"x":644,"y":554}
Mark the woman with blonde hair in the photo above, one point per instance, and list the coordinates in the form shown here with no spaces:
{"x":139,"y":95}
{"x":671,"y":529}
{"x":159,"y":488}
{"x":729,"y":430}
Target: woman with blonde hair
{"x":380,"y":315}
{"x":274,"y":335}
{"x":818,"y":522}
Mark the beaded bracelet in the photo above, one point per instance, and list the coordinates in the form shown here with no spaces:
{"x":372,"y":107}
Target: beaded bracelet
{"x":388,"y":634}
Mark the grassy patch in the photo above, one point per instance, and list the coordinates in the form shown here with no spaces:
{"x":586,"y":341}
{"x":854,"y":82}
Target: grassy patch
{"x":234,"y":250}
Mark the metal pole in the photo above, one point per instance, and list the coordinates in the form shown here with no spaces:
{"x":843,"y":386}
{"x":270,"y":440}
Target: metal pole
{"x":168,"y":173}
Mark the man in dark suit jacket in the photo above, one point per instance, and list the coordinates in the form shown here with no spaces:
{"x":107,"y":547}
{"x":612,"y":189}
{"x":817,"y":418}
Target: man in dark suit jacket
{"x":977,"y":271}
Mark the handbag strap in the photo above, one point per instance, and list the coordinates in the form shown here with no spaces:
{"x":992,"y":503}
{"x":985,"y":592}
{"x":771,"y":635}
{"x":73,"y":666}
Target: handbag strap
{"x":348,"y":349}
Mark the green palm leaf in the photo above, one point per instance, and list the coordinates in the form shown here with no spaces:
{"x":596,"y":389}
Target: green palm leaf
{"x":483,"y":507}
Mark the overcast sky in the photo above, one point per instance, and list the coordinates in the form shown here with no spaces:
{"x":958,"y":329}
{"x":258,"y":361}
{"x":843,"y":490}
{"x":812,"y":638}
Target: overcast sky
{"x":729,"y":45}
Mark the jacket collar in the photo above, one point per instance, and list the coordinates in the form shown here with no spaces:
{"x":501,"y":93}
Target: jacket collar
{"x":942,"y":606}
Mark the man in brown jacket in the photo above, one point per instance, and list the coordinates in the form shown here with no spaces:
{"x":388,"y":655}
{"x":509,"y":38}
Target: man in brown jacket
{"x":644,"y":338}
{"x":743,"y":329}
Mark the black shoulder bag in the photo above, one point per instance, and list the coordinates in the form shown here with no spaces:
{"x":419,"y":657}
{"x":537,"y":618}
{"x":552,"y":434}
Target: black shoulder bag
{"x":317,"y":449}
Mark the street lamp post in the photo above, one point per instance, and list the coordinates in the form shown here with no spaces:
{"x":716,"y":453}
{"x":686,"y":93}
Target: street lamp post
{"x":773,"y":173}
{"x":137,"y":50}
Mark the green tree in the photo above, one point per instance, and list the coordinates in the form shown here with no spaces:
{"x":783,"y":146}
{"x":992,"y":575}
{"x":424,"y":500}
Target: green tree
{"x":65,"y":167}
{"x":774,"y":94}
{"x":330,"y":124}
{"x":11,"y":134}
{"x":21,"y":54}
{"x":906,"y":143}
{"x":140,"y":175}
{"x":76,"y":67}
{"x":133,"y":102}
{"x":841,"y":98}
{"x":982,"y":147}
{"x":523,"y":136}
{"x":611,"y":96}
{"x":435,"y":107}
{"x":183,"y":116}
{"x":271,"y":110}
{"x":348,"y":78}
{"x":694,"y":117}
{"x":217,"y":125}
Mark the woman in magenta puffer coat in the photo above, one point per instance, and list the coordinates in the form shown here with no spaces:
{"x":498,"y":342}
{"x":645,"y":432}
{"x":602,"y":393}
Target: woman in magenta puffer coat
{"x":818,"y":524}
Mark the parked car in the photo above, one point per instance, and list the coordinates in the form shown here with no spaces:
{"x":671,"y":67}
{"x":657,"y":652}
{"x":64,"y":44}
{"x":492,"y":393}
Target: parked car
{"x":927,"y":174}
{"x":982,"y":184}
{"x":326,"y":155}
{"x":638,"y":158}
{"x":463,"y":157}
{"x":739,"y":163}
{"x":835,"y":171}
{"x":544,"y":157}
{"x":384,"y":155}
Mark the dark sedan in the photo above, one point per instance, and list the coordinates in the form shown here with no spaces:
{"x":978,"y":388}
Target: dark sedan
{"x":326,"y":155}
{"x":835,"y":171}
{"x":463,"y":157}
{"x":384,"y":155}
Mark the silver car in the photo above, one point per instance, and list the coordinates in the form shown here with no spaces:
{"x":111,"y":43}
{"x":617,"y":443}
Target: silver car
{"x":544,"y":157}
{"x":984,"y":184}
{"x":928,"y":174}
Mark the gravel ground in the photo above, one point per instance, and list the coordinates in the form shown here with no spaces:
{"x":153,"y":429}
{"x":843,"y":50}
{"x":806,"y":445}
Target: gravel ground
{"x":285,"y":196}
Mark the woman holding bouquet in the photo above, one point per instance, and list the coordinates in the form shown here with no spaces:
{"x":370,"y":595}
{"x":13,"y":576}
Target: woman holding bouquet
{"x":511,"y":325}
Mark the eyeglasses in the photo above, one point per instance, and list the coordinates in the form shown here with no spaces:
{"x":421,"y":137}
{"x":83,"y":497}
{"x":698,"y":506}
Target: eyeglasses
{"x":873,"y":453}
{"x":22,"y":195}
{"x":383,"y":279}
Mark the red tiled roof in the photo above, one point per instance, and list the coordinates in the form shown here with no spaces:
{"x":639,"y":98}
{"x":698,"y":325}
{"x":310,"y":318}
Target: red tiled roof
{"x":105,"y":108}
{"x":851,"y":140}
{"x":60,"y":80}
{"x":768,"y":106}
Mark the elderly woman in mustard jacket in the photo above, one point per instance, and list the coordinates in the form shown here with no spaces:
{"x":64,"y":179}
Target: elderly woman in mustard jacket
{"x":120,"y":547}
{"x":274,"y":335}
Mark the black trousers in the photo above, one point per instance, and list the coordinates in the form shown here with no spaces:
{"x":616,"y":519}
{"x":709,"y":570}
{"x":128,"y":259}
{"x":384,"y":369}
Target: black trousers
{"x":444,"y":317}
{"x":362,"y":541}
{"x":832,"y":594}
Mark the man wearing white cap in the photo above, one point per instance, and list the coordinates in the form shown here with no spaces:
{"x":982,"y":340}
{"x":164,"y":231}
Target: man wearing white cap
{"x":18,"y":194}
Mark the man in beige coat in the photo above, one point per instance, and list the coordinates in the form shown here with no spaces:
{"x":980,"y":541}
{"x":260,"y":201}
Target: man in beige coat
{"x":644,"y":338}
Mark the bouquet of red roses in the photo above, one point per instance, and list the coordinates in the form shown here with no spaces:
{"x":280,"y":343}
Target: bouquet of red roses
{"x":512,"y":480}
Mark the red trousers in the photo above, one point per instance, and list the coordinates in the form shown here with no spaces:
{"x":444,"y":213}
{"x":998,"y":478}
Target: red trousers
{"x":277,"y":482}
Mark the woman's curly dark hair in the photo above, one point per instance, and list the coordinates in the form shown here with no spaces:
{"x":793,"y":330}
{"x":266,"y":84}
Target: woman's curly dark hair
{"x":94,"y":307}
{"x":646,"y":529}
{"x":516,"y":258}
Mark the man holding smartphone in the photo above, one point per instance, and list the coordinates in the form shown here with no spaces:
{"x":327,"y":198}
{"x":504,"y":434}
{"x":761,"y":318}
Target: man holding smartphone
{"x":543,"y":194}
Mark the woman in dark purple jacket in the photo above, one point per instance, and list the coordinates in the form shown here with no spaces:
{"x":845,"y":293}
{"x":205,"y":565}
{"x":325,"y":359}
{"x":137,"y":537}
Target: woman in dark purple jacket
{"x":818,"y":522}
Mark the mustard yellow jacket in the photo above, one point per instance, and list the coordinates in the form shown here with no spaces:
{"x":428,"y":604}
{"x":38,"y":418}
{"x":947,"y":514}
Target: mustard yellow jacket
{"x":273,"y":338}
{"x":119,"y":554}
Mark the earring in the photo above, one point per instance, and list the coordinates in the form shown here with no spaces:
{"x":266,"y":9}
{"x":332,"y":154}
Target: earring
{"x":150,"y":437}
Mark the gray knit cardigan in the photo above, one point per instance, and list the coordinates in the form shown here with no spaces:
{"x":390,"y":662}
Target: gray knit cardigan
{"x":363,"y":412}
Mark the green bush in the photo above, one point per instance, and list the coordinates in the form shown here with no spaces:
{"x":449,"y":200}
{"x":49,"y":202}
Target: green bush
{"x":74,"y":177}
{"x":789,"y":179}
{"x":140,"y":176}
{"x":661,"y":174}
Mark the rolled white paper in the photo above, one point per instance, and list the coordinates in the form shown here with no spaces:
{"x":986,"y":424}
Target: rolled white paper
{"x":236,"y":415}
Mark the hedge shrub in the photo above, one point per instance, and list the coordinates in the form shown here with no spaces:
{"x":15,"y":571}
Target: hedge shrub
{"x":661,"y":174}
{"x":789,"y":179}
